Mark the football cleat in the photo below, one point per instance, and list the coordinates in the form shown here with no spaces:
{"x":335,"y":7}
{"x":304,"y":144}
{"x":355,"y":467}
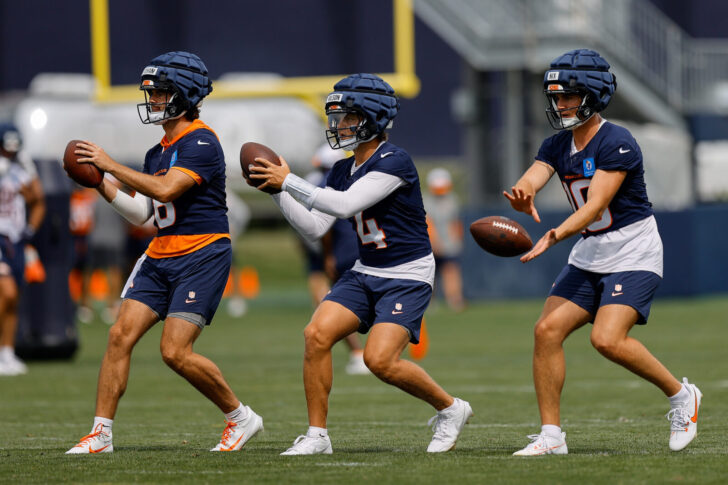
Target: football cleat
{"x":310,"y":445}
{"x":447,"y":425}
{"x":99,"y":441}
{"x":543,"y":444}
{"x":684,"y":418}
{"x":235,"y":435}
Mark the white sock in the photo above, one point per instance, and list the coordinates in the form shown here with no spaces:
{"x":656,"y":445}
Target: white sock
{"x":314,"y":432}
{"x":237,"y":415}
{"x":551,"y":430}
{"x":106,"y":422}
{"x":680,"y":397}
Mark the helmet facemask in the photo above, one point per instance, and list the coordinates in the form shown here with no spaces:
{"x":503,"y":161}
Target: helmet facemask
{"x":347,"y":128}
{"x":159,"y":113}
{"x":575,"y":116}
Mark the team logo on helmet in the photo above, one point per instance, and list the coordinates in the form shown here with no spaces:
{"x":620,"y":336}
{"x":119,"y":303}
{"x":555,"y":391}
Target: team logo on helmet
{"x":585,"y":73}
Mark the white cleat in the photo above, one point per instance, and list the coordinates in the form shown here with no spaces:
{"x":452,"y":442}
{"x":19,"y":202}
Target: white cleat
{"x":356,"y":365}
{"x":235,"y":435}
{"x":542,"y":444}
{"x":10,"y":365}
{"x":99,"y":441}
{"x":684,"y":418}
{"x":310,"y":445}
{"x":447,"y":425}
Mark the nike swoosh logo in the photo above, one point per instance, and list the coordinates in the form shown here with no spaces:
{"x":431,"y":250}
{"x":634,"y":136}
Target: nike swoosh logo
{"x":623,"y":151}
{"x":694,"y":419}
{"x":617,"y":294}
{"x":200,"y":142}
{"x":385,"y":154}
{"x":232,"y":447}
{"x":396,"y":313}
{"x":189,"y":301}
{"x":91,"y":450}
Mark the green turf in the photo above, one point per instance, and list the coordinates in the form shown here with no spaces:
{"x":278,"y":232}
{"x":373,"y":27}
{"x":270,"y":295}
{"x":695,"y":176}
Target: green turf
{"x":614,"y":421}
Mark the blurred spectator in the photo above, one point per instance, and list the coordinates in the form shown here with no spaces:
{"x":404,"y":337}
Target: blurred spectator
{"x":19,"y":187}
{"x":81,"y":223}
{"x":238,"y":220}
{"x":446,"y":235}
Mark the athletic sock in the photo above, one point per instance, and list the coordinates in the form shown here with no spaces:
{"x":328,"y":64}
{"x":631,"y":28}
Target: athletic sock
{"x":551,"y":430}
{"x":314,"y":432}
{"x":106,"y":422}
{"x":237,"y":415}
{"x":680,"y":397}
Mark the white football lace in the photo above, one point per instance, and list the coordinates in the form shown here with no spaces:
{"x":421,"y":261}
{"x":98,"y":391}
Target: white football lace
{"x":536,"y":438}
{"x":437,"y":422}
{"x":678,"y":418}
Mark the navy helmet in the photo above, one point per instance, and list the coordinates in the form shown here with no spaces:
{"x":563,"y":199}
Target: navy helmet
{"x":10,"y":139}
{"x":361,"y":107}
{"x":583,"y":72}
{"x":181,"y":73}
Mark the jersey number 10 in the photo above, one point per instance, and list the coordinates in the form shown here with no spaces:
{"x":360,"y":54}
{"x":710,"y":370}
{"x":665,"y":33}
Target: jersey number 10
{"x":576,"y":192}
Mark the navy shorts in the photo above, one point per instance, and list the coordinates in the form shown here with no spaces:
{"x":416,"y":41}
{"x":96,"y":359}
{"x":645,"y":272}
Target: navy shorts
{"x":592,"y":291}
{"x":383,"y":300}
{"x":189,"y":284}
{"x":12,"y":260}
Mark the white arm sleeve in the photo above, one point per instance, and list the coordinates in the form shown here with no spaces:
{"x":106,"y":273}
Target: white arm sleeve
{"x":311,"y":224}
{"x":363,"y":193}
{"x":136,"y":210}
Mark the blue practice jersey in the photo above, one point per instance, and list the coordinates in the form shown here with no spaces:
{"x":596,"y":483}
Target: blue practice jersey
{"x":612,"y":148}
{"x":344,"y":241}
{"x":393,"y":231}
{"x":199,"y":216}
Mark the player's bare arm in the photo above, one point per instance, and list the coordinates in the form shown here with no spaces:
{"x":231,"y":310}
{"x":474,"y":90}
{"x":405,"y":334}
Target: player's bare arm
{"x":33,"y":195}
{"x":602,"y":188}
{"x":273,"y":174}
{"x":163,"y":189}
{"x":523,"y":193}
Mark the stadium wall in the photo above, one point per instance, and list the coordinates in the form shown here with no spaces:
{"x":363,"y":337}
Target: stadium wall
{"x":695,"y":263}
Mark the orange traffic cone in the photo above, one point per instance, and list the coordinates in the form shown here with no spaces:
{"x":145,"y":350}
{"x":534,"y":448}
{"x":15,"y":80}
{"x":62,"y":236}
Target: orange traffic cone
{"x":419,"y":351}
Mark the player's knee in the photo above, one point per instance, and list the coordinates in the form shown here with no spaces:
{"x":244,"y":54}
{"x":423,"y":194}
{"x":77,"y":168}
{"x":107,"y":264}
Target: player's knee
{"x":605,"y":344}
{"x":547,"y":330}
{"x":119,"y":338}
{"x":316,"y":339}
{"x":380,"y":366}
{"x":173,"y":356}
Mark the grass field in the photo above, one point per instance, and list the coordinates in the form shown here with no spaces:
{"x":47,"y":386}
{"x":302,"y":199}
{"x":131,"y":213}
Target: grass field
{"x":615,"y":427}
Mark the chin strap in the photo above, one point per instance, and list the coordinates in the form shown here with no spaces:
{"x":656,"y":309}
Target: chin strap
{"x":303,"y":191}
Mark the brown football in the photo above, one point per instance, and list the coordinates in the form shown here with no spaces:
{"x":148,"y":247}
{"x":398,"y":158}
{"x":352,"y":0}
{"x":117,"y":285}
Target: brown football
{"x":86,"y":174}
{"x":248,"y":153}
{"x":501,"y":236}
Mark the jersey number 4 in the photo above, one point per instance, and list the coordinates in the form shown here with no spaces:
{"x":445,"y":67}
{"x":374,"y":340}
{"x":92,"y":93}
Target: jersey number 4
{"x":576,"y":192}
{"x":374,"y":235}
{"x":164,"y":214}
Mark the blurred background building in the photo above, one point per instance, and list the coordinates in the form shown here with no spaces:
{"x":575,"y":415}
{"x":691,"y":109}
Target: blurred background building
{"x":469,"y":73}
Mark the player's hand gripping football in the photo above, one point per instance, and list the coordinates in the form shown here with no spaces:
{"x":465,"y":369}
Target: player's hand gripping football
{"x":92,"y":153}
{"x":273,"y":174}
{"x":522,"y":202}
{"x":546,"y":241}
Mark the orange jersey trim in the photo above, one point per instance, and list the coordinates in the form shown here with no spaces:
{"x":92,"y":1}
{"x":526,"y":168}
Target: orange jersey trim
{"x":195,"y":125}
{"x":176,"y":245}
{"x":195,"y":177}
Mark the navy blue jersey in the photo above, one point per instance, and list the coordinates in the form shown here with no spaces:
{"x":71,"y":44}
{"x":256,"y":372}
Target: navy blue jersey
{"x":612,"y":148}
{"x":199,"y":216}
{"x":344,"y":241}
{"x":393,"y":231}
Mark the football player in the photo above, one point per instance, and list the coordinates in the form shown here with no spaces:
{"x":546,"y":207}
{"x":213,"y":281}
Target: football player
{"x":181,"y":277}
{"x":20,"y":189}
{"x":615,"y":267}
{"x":388,"y":289}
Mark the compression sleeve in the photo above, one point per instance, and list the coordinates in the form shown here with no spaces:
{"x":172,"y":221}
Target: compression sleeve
{"x":311,"y":224}
{"x":364,"y":193}
{"x":136,"y":210}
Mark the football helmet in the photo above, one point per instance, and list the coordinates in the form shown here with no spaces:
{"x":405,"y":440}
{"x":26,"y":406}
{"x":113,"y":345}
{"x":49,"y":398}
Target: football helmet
{"x":183,"y":75}
{"x":10,"y":139}
{"x":583,"y":72}
{"x":361,"y":107}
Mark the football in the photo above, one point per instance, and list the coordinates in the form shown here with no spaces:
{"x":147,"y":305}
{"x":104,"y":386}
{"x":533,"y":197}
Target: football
{"x":501,"y":236}
{"x":86,"y":174}
{"x":248,"y":153}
